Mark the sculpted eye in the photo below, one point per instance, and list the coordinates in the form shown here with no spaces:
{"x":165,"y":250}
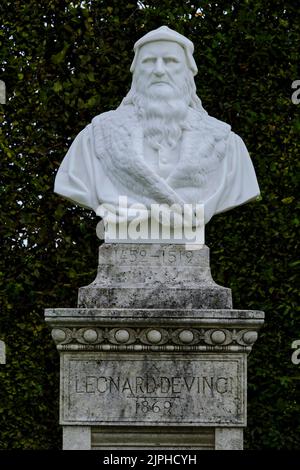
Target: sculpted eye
{"x":148,"y":60}
{"x":171,"y":60}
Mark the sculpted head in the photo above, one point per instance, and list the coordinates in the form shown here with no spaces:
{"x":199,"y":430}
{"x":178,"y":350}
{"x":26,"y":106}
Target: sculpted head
{"x":166,"y":34}
{"x":163,"y":85}
{"x":163,"y":65}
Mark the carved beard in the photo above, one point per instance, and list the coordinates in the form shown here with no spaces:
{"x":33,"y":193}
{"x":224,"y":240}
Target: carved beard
{"x":162,"y":117}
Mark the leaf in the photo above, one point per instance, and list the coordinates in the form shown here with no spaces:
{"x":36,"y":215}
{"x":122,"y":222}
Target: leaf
{"x":57,"y":86}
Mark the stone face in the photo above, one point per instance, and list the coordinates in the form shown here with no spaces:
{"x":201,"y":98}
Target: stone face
{"x":153,"y":276}
{"x":110,"y":388}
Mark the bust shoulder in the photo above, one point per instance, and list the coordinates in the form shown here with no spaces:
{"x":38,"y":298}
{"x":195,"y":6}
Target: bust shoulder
{"x":122,"y":115}
{"x":208,"y":125}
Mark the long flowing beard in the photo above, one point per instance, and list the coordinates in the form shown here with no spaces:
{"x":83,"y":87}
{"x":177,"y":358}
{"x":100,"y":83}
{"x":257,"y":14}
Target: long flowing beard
{"x":162,"y":117}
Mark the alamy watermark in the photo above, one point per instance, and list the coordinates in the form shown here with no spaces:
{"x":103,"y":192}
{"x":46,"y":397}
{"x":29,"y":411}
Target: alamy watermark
{"x":296,"y":354}
{"x":2,"y":92}
{"x":296,"y":95}
{"x":178,"y":223}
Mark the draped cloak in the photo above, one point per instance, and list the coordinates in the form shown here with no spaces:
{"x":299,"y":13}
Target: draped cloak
{"x":106,"y":160}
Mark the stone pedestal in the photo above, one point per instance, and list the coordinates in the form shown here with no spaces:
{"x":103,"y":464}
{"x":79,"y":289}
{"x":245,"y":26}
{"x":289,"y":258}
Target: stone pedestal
{"x":154,"y":355}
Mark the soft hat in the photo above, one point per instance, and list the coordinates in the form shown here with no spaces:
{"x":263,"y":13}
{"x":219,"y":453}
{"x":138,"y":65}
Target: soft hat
{"x":166,"y":34}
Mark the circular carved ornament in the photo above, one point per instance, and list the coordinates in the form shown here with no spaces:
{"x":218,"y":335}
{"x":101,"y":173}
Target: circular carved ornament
{"x":122,"y":336}
{"x":58,"y":335}
{"x":90,"y":336}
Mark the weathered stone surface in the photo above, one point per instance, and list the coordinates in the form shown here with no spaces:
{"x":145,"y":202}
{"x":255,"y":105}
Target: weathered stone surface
{"x":149,"y":389}
{"x":76,"y":438}
{"x":152,"y":359}
{"x":131,"y":315}
{"x":111,"y":366}
{"x":157,"y":329}
{"x":153,"y":276}
{"x":210,"y":297}
{"x":152,"y":437}
{"x":229,"y":439}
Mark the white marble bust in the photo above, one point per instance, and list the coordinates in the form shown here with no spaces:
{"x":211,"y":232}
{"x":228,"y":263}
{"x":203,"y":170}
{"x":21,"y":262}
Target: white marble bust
{"x":159,"y":146}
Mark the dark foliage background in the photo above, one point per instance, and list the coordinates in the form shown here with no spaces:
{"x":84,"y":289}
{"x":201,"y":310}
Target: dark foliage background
{"x":63,"y":63}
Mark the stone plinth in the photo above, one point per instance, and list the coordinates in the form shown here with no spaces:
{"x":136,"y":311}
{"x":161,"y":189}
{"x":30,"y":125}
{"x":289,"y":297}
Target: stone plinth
{"x":154,"y":276}
{"x":153,"y":377}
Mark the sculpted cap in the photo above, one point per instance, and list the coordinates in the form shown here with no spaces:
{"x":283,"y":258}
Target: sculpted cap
{"x":166,"y":34}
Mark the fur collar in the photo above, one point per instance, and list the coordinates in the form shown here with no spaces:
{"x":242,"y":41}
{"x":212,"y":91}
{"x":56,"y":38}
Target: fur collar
{"x":119,"y":146}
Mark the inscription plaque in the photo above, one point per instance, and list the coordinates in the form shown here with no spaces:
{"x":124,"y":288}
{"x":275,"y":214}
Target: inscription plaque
{"x":101,"y":389}
{"x":165,"y":256}
{"x":155,"y":255}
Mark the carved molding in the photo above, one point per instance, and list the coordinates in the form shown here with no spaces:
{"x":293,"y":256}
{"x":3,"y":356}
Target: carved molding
{"x":160,"y":338}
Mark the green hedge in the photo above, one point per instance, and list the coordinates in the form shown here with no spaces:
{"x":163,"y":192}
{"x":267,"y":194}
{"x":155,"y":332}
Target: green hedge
{"x":65,"y":62}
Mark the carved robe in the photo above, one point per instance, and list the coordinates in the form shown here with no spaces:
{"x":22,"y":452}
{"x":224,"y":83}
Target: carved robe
{"x":106,"y":160}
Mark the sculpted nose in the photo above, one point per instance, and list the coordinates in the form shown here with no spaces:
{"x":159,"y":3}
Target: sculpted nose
{"x":159,"y":68}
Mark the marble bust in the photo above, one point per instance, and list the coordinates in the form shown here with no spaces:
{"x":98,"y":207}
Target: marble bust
{"x":159,"y":146}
